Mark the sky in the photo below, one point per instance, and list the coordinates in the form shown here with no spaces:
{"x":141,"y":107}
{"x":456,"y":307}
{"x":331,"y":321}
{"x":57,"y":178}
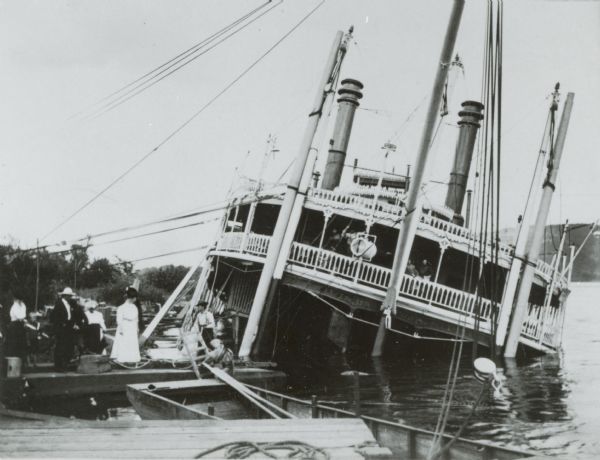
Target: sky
{"x":60,"y":57}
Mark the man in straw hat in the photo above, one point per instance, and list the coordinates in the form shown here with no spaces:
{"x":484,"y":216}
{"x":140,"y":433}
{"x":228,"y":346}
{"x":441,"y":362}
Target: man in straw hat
{"x":67,"y":318}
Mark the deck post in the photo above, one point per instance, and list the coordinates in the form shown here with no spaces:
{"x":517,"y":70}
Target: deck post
{"x":356,"y":391}
{"x":412,"y":444}
{"x":314,"y":407}
{"x":267,"y":284}
{"x":522,"y":302}
{"x":413,"y":205}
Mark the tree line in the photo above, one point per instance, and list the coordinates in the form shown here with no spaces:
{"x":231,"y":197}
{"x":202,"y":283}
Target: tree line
{"x":22,"y":273}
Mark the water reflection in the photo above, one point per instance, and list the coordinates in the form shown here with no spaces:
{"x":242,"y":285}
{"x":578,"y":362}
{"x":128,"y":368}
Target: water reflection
{"x":531,"y":410}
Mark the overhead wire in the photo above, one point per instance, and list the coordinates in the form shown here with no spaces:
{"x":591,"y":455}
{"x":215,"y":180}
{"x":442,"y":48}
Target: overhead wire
{"x":187,"y":122}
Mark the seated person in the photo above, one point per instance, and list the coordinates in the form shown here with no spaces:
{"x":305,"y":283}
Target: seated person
{"x":411,"y":269}
{"x":220,"y":357}
{"x":425,"y":269}
{"x":224,"y":331}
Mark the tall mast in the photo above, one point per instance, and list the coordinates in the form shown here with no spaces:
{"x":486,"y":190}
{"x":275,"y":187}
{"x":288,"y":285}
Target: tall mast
{"x":538,"y":233}
{"x":267,"y":283}
{"x":510,"y":289}
{"x":409,"y":223}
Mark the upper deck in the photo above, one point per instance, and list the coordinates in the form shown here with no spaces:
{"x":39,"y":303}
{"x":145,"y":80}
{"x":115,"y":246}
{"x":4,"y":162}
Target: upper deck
{"x":358,"y":203}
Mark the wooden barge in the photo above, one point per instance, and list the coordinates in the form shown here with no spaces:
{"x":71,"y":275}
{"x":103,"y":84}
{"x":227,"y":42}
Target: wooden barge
{"x":211,"y":399}
{"x":35,"y":385}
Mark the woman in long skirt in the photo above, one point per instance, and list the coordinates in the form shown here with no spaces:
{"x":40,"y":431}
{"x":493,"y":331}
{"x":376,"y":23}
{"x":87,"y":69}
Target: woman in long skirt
{"x":126,"y":346}
{"x":16,"y":342}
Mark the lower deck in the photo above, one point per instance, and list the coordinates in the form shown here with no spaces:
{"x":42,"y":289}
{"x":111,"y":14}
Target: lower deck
{"x":421,"y":303}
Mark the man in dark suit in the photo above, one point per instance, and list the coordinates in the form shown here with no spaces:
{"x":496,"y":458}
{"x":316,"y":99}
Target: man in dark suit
{"x":67,"y":318}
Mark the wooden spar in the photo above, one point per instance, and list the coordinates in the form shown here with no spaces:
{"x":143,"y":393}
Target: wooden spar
{"x":285,"y":211}
{"x":168,"y":304}
{"x":241,"y":389}
{"x":522,"y":302}
{"x":413,"y":207}
{"x":255,"y":399}
{"x":512,"y":279}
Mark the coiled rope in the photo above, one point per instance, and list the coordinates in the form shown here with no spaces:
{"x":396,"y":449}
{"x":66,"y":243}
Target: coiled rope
{"x":244,"y":449}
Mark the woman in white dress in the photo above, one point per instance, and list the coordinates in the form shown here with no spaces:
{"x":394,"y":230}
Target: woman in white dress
{"x":126,"y":347}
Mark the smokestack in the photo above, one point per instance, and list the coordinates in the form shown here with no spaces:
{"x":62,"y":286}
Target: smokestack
{"x":350,"y":93}
{"x":470,"y":117}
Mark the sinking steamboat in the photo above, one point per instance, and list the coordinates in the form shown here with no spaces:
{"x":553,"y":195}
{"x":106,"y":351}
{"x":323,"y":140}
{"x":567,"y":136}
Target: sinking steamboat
{"x":328,"y":259}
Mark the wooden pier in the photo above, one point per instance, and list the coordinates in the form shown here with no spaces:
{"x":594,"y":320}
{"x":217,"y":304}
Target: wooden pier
{"x":45,"y":384}
{"x":340,"y":438}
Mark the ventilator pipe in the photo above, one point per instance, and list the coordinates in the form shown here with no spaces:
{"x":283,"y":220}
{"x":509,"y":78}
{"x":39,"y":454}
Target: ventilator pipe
{"x":350,"y":93}
{"x":457,"y":186}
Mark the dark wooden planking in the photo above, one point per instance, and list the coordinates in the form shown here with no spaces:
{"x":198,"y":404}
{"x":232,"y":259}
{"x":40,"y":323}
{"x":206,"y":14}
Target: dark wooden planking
{"x":44,"y":384}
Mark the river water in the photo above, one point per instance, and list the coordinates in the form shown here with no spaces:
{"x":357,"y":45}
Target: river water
{"x":548,"y":404}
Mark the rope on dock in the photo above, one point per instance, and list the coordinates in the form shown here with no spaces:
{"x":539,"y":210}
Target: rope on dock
{"x":244,"y":449}
{"x":138,"y":365}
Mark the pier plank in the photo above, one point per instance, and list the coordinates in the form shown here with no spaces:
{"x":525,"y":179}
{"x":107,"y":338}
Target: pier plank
{"x":168,"y":439}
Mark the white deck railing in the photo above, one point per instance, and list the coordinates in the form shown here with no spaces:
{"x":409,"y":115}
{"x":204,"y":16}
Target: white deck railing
{"x":463,"y":233}
{"x":257,"y":244}
{"x":251,"y":243}
{"x":546,"y":271}
{"x":539,"y":322}
{"x":339,"y":199}
{"x":543,"y":325}
{"x":346,"y":200}
{"x":394,"y":194}
{"x":359,"y":272}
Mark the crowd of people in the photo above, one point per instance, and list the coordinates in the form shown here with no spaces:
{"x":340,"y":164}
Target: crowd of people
{"x":77,"y":327}
{"x":74,"y":327}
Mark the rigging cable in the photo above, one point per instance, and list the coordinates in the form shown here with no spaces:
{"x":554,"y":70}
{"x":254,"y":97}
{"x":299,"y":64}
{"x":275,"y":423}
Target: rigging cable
{"x":173,"y":61}
{"x":188,"y":121}
{"x":134,"y":237}
{"x":489,"y":187}
{"x":140,"y":88}
{"x":207,"y":209}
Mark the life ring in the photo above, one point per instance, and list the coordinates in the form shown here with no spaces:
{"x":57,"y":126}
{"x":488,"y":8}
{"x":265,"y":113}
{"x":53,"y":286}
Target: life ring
{"x":363,"y":248}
